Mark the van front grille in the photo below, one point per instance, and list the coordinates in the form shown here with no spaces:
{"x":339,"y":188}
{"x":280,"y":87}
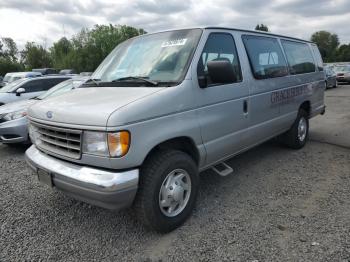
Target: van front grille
{"x":59,"y":141}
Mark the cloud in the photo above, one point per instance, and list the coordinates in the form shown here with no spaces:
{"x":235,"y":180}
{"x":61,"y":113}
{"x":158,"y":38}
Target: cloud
{"x":34,"y":20}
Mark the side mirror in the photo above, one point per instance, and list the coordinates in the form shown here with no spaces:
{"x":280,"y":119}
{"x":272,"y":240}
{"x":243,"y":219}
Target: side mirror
{"x":20,"y":91}
{"x":221,"y":72}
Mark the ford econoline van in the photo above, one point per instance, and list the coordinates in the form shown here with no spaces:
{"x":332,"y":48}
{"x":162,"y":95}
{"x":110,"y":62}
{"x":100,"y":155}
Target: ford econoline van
{"x":163,"y":107}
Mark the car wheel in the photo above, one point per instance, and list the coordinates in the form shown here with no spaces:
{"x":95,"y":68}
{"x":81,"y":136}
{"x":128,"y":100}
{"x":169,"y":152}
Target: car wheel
{"x":167,"y":190}
{"x":326,"y":84}
{"x":298,"y":134}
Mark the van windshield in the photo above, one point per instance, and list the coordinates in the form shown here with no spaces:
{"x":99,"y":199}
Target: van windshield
{"x":160,"y":58}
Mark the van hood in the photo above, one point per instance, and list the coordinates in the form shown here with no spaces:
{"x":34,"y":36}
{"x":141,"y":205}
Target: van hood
{"x":88,"y":106}
{"x":16,"y":106}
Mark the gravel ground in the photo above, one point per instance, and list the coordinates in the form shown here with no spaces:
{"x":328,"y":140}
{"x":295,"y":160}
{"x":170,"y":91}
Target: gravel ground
{"x":279,"y":205}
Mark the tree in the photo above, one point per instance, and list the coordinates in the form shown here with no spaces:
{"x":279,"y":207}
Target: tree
{"x":262,"y":27}
{"x":343,"y":53}
{"x":60,"y":53}
{"x":8,"y":56}
{"x":7,"y":66}
{"x":10,"y":50}
{"x":327,"y":44}
{"x":35,"y":56}
{"x":86,"y":50}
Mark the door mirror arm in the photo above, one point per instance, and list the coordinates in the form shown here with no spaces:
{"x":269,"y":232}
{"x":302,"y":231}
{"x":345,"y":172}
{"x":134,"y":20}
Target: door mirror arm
{"x":202,"y":81}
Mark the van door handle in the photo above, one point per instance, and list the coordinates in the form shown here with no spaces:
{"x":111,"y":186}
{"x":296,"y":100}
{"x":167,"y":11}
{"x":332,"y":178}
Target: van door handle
{"x":245,"y":107}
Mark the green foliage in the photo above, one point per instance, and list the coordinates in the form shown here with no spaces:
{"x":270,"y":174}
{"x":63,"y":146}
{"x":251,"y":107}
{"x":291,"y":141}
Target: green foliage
{"x":343,"y":53}
{"x":35,"y":56}
{"x":83,"y":52}
{"x":86,"y":50}
{"x":327,"y":44}
{"x":60,"y":53}
{"x":7,"y":65}
{"x":8,"y":56}
{"x":262,"y":27}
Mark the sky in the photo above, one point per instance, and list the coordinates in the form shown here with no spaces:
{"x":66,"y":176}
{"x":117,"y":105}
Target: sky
{"x":45,"y":21}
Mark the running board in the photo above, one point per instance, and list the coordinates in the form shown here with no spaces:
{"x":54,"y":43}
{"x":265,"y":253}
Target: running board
{"x":222,"y":169}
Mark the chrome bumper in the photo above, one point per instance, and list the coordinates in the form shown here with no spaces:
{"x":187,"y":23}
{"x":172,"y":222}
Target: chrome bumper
{"x":108,"y":189}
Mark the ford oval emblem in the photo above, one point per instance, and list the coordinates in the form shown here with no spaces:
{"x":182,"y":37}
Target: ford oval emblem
{"x":49,"y":114}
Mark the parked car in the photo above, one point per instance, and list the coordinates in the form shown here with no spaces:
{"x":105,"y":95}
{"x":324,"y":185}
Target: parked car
{"x":13,"y":116}
{"x":85,"y":73}
{"x":26,"y":88}
{"x":164,"y":106}
{"x":45,"y":71}
{"x":67,"y":72}
{"x":10,"y":77}
{"x":331,"y":78}
{"x":343,"y":73}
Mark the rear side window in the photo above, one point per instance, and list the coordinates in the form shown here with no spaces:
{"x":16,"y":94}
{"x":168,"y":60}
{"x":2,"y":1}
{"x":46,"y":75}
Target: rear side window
{"x":299,"y":57}
{"x":265,"y":57}
{"x":41,"y":85}
{"x":317,"y":55}
{"x":219,"y":46}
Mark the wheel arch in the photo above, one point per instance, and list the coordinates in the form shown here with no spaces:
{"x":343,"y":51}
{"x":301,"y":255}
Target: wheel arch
{"x":306,"y":105}
{"x":182,"y":143}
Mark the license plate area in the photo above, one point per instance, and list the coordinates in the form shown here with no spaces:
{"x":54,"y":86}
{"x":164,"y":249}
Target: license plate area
{"x":44,"y":177}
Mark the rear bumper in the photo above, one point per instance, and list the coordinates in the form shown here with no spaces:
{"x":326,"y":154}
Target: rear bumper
{"x":100,"y":187}
{"x":15,"y":131}
{"x":318,"y":110}
{"x":343,"y":78}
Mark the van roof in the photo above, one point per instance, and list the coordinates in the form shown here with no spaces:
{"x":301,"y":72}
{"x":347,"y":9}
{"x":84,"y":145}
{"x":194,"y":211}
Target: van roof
{"x":257,"y":32}
{"x":237,"y":29}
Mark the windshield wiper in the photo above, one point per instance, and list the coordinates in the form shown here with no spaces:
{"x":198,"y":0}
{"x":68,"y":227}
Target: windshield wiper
{"x":144,"y":79}
{"x":36,"y":98}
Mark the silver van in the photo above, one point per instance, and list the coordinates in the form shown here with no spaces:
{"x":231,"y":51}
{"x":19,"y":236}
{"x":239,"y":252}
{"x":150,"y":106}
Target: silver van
{"x":163,"y":107}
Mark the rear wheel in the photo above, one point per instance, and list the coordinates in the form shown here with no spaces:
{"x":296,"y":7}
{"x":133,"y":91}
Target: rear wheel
{"x":298,"y":134}
{"x":167,"y":191}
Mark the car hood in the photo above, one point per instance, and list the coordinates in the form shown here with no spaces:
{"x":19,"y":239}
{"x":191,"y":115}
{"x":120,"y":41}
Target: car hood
{"x":16,"y":106}
{"x":88,"y":106}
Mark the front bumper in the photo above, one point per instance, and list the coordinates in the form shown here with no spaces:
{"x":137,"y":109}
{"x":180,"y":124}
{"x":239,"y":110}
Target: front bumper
{"x":14,"y":131}
{"x":104,"y":188}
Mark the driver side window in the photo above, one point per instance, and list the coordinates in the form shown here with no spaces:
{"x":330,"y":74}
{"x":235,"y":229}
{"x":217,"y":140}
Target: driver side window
{"x":219,"y":46}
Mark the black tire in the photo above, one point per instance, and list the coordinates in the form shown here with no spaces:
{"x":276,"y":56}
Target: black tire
{"x":152,"y":175}
{"x":291,"y":138}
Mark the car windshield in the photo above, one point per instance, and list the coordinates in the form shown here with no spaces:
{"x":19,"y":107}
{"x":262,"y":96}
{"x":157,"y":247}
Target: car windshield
{"x":342,"y":68}
{"x":61,"y":88}
{"x":329,"y":71}
{"x":161,"y":58}
{"x":12,"y":86}
{"x":7,"y":78}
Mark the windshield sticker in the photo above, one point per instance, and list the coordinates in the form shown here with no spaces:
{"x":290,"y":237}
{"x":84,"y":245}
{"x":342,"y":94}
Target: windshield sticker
{"x":175,"y":42}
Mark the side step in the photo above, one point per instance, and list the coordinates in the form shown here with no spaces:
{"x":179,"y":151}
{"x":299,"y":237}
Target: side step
{"x":222,"y":169}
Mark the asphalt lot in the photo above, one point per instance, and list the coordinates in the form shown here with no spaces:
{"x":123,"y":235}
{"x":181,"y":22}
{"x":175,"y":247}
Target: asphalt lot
{"x":279,"y":205}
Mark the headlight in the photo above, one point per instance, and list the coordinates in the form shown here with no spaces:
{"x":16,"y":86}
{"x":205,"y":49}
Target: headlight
{"x":15,"y":115}
{"x":106,"y":144}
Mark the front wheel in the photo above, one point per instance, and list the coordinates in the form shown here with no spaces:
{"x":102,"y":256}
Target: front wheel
{"x":298,"y":134}
{"x":168,"y":189}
